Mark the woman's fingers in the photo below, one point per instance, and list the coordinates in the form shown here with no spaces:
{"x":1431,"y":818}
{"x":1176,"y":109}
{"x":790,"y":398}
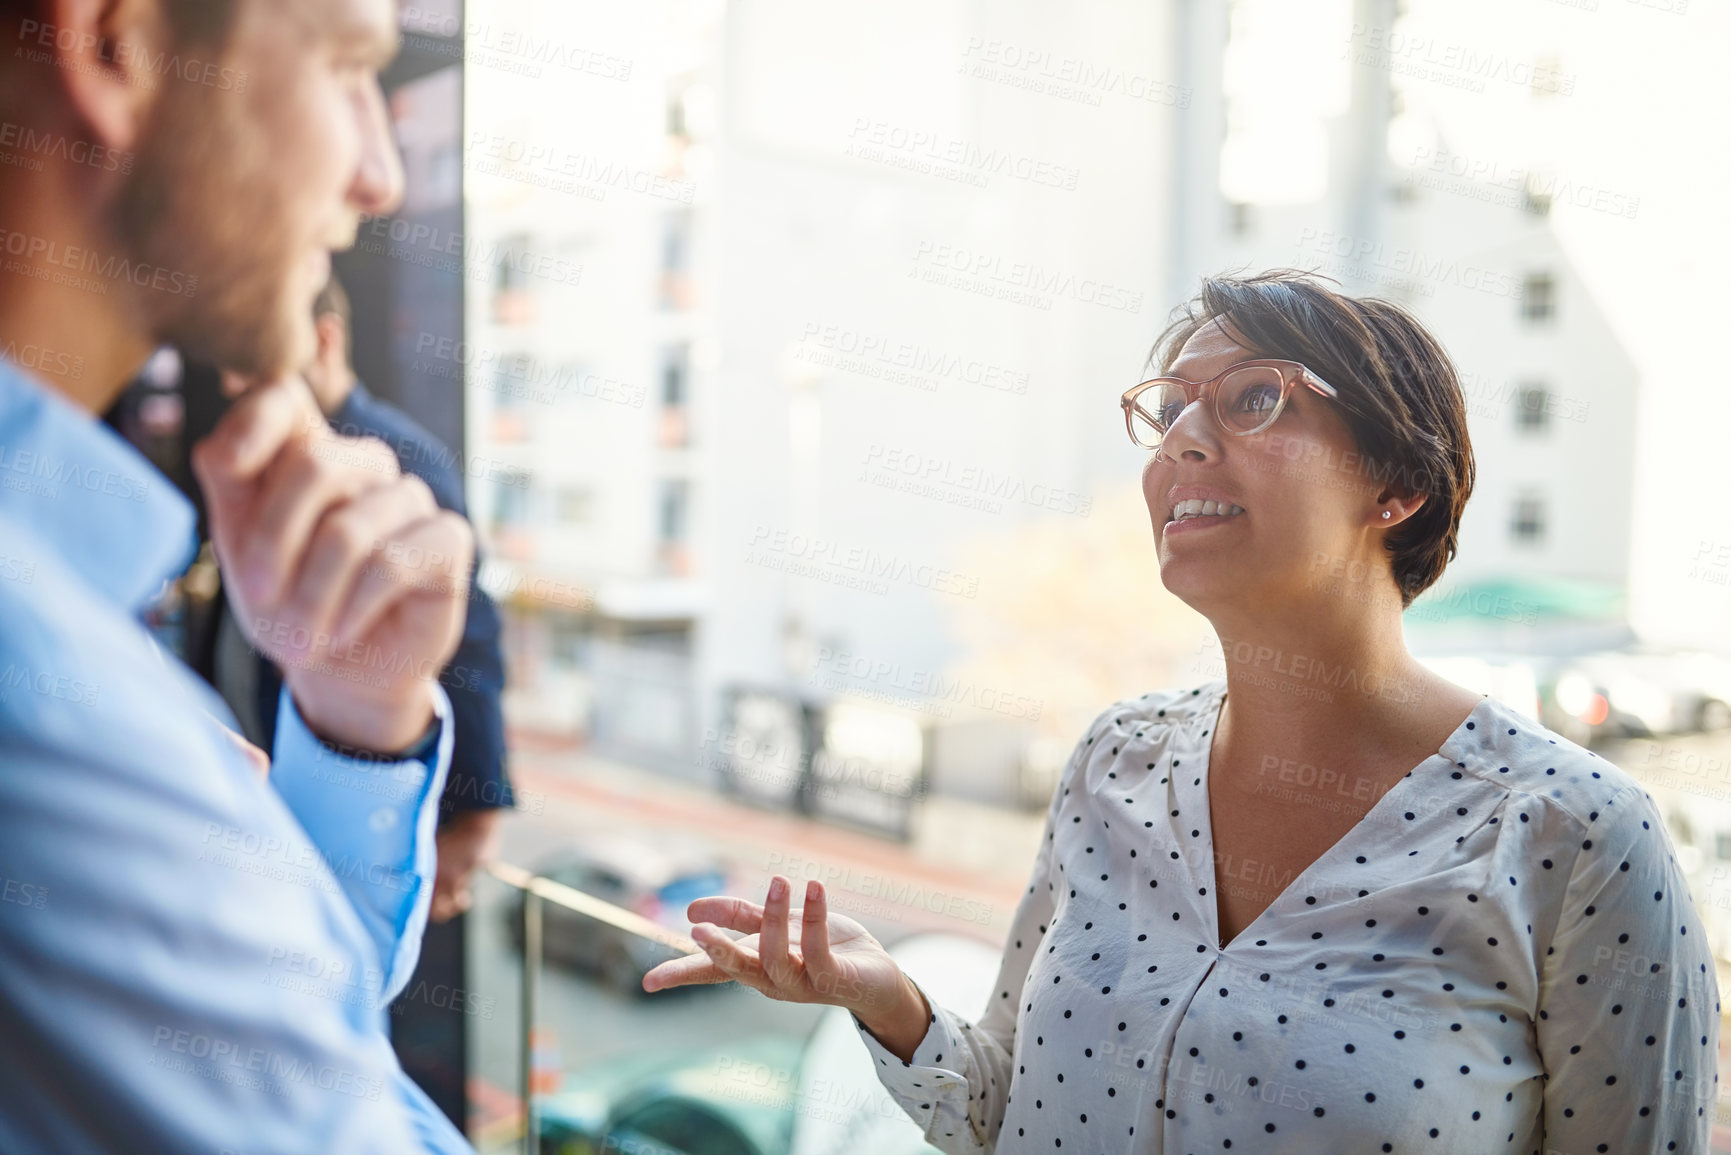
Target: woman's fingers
{"x":733,"y":960}
{"x":692,"y":970}
{"x":725,"y":910}
{"x":814,"y":933}
{"x":772,"y":952}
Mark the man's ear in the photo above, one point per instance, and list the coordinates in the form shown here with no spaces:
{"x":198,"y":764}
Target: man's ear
{"x":333,"y":336}
{"x":103,"y":52}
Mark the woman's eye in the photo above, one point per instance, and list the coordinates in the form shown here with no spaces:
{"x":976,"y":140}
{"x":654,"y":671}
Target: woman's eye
{"x":1259,"y":399}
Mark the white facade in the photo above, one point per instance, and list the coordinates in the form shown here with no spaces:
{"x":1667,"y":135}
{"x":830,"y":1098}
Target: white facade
{"x":1357,"y":181}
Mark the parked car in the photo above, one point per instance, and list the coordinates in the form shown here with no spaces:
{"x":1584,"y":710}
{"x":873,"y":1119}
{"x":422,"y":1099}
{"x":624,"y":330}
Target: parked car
{"x":1639,"y":691}
{"x":735,"y":1099}
{"x":654,"y":880}
{"x":766,"y":1095}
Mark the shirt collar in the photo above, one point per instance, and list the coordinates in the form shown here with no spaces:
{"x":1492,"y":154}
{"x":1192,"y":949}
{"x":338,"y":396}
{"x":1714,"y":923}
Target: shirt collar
{"x":78,"y":486}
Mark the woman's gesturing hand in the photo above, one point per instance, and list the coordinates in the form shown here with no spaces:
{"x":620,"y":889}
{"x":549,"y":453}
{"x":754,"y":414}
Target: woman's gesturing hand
{"x":821,"y":958}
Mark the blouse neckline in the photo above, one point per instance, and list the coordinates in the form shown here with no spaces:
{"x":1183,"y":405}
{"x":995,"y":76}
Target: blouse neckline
{"x":1477,"y":718}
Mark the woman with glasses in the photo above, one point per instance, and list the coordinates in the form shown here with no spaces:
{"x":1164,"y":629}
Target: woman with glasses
{"x":1331,"y":902}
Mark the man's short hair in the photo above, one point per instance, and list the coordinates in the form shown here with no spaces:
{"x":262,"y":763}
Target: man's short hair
{"x":333,"y":301}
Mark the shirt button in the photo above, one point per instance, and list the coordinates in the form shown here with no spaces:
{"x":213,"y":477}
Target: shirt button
{"x":382,"y":819}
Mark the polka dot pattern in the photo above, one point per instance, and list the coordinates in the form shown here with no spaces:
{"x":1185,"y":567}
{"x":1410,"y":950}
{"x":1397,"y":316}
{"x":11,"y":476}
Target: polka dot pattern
{"x":1501,"y":955}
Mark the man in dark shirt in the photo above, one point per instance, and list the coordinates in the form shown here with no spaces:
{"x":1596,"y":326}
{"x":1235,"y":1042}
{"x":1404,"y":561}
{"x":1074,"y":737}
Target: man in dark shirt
{"x":477,"y":788}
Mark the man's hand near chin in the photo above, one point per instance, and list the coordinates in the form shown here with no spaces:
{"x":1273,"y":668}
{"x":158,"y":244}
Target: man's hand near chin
{"x":342,"y":569}
{"x":465,"y":842}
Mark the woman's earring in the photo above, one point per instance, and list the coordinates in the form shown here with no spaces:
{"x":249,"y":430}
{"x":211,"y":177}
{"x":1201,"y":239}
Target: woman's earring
{"x":1385,"y":515}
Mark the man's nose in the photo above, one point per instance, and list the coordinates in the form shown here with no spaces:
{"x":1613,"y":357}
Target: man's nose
{"x":378,"y":187}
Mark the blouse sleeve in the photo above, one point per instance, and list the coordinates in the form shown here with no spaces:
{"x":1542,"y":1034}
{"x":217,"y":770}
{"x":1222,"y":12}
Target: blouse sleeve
{"x":957,"y":1085}
{"x":1629,"y":999}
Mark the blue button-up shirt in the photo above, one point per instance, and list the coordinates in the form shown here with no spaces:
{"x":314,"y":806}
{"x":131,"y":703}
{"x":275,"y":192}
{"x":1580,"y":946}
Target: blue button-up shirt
{"x":191,"y":960}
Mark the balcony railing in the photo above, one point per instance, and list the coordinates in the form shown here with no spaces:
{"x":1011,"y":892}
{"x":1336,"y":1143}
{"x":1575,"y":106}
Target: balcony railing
{"x":536,"y":890}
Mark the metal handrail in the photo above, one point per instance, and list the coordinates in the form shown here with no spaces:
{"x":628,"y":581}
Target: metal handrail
{"x":537,"y":888}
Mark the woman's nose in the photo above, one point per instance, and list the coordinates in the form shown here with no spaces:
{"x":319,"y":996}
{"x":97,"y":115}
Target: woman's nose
{"x":1191,"y":436}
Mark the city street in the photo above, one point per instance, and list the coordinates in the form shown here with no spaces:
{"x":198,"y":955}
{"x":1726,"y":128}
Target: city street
{"x":963,"y":858}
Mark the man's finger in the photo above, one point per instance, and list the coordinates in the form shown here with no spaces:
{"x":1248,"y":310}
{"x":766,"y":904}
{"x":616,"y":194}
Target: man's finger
{"x":432,"y":556}
{"x":256,"y":427}
{"x":342,"y":548}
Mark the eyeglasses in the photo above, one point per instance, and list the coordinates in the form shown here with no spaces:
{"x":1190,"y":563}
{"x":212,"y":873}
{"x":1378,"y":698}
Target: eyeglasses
{"x":1246,"y":398}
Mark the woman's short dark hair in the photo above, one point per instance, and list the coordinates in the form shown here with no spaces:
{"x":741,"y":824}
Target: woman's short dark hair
{"x":1398,"y":394}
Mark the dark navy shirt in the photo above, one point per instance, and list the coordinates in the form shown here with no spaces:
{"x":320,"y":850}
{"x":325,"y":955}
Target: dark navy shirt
{"x":475,"y":677}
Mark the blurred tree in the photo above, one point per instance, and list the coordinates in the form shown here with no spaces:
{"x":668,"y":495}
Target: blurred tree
{"x":1071,"y":612}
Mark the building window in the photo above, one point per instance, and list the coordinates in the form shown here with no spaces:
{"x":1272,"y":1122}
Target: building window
{"x":1532,"y":409}
{"x":1538,"y":297}
{"x":512,"y":301}
{"x":507,"y":267}
{"x":671,"y":511}
{"x":676,"y":288}
{"x":574,"y":505}
{"x":675,"y":430}
{"x":673,"y":516}
{"x":1536,"y":194}
{"x":511,"y":499}
{"x":1528,"y":524}
{"x":511,"y":382}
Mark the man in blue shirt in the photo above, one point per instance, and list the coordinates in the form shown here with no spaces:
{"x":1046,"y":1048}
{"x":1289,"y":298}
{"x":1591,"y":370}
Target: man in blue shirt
{"x":192,"y":958}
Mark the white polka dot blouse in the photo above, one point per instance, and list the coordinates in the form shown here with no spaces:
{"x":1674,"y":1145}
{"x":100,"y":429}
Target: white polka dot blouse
{"x":1501,"y":956}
